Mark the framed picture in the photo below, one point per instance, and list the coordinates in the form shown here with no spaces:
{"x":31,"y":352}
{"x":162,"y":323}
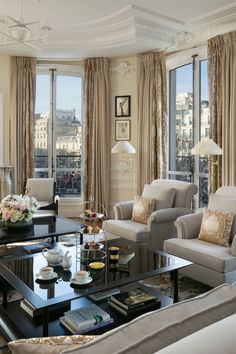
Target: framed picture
{"x":122,"y":106}
{"x":122,"y":130}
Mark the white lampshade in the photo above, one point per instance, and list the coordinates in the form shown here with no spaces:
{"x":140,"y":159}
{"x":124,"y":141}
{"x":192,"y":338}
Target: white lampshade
{"x":206,"y":147}
{"x":123,"y":147}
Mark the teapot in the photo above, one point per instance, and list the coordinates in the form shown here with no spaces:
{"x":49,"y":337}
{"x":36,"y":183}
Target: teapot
{"x":53,"y":256}
{"x":66,"y":261}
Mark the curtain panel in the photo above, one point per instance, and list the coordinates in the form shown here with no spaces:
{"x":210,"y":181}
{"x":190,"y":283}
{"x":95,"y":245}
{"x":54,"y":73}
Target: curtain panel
{"x":222,"y":95}
{"x":152,"y":119}
{"x":22,"y":98}
{"x":96,"y":127}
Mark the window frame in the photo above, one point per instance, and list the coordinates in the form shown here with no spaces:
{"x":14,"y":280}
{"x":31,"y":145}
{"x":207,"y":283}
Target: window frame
{"x":67,"y":70}
{"x":175,"y":61}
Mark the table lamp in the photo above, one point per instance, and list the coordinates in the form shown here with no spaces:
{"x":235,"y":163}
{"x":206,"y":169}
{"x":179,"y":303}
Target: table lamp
{"x":123,"y":147}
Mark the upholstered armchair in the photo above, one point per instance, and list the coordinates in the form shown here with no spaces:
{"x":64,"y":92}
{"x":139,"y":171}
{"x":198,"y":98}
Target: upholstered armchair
{"x":44,"y":190}
{"x":173,"y":198}
{"x":213,"y":264}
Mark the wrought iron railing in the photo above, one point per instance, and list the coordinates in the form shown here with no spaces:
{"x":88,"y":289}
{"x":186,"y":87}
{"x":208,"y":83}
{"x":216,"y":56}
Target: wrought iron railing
{"x":68,"y":173}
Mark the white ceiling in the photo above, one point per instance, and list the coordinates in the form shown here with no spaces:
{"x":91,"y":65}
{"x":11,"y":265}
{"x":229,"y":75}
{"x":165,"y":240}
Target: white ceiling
{"x":87,"y":28}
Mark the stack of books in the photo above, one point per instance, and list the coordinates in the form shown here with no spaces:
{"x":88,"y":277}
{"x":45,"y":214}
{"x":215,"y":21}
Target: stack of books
{"x":133,"y":302}
{"x":55,"y":311}
{"x":85,"y":319}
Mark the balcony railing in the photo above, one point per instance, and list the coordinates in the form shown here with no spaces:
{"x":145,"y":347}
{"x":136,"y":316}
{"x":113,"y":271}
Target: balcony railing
{"x":68,"y":173}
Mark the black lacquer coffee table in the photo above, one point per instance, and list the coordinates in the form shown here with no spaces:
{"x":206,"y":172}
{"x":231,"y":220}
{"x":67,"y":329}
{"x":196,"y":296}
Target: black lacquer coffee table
{"x":135,"y":263}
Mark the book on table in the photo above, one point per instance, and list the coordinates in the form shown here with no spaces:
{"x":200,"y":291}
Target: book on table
{"x":133,"y":299}
{"x":85,"y":319}
{"x":136,"y":311}
{"x":34,"y":313}
{"x":35,"y":247}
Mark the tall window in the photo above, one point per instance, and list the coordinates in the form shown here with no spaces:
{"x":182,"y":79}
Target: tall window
{"x":58,"y":128}
{"x":188,"y":123}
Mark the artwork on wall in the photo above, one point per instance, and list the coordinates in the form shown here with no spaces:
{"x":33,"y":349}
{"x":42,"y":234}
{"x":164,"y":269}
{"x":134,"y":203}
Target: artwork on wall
{"x":122,"y":130}
{"x":122,"y":106}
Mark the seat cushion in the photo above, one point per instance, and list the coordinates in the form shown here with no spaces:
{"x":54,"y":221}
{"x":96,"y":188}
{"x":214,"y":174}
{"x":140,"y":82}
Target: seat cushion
{"x":128,"y":229}
{"x":201,"y":252}
{"x":211,"y":339}
{"x":164,"y":196}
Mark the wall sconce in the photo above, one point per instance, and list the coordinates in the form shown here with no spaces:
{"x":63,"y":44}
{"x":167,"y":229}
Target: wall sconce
{"x":123,"y":147}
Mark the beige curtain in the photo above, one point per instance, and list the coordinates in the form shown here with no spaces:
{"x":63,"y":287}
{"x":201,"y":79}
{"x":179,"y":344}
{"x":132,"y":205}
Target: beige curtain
{"x":152,"y":119}
{"x":22,"y":97}
{"x":222,"y":97}
{"x":96,"y":131}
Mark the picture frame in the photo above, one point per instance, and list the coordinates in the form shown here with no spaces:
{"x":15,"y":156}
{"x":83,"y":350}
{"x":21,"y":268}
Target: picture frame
{"x":122,"y":106}
{"x":122,"y":130}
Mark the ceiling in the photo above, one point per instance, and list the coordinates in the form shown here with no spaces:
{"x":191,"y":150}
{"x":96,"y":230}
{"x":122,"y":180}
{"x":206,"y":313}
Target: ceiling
{"x":112,"y":28}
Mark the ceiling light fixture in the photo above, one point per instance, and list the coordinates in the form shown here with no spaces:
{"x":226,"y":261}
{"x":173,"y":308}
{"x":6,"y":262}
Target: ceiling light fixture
{"x":32,"y":34}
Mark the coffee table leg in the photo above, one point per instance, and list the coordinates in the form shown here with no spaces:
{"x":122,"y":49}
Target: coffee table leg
{"x":45,"y":322}
{"x":176,"y":288}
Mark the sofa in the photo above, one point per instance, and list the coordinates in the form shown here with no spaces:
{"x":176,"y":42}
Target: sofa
{"x":213,"y":264}
{"x":183,"y":327}
{"x":173,"y":199}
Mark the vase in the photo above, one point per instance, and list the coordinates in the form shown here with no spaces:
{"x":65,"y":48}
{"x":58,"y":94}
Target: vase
{"x":18,"y":224}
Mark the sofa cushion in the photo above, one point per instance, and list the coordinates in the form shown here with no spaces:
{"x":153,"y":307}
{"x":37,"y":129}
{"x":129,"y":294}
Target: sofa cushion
{"x":216,"y":226}
{"x":207,"y":254}
{"x":129,"y":229}
{"x":142,"y":209}
{"x":224,"y":203}
{"x":184,"y":191}
{"x":155,"y":330}
{"x":164,"y":196}
{"x":217,"y":338}
{"x":49,"y":345}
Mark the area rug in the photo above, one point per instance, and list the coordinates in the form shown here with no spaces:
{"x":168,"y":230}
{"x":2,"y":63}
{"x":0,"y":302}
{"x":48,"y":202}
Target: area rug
{"x":188,"y":288}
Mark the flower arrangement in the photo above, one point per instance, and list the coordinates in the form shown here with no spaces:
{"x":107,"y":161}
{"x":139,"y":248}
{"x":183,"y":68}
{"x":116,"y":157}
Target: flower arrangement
{"x":17,"y":208}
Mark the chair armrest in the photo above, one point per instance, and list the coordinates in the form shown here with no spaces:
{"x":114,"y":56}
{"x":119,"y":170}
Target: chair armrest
{"x":188,"y":226}
{"x":233,"y":247}
{"x":166,"y":215}
{"x":123,"y":210}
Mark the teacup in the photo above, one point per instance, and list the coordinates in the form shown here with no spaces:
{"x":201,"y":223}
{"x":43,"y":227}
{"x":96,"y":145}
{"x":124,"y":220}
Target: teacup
{"x":81,"y":276}
{"x":46,"y":272}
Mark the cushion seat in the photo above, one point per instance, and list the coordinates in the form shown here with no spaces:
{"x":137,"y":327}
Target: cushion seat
{"x":201,"y":252}
{"x":129,"y":229}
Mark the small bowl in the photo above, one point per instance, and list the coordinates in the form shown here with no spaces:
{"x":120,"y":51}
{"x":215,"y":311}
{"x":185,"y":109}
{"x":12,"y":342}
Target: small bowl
{"x":97,"y":265}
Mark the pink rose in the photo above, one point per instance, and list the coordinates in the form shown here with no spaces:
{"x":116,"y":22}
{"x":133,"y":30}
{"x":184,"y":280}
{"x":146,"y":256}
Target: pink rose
{"x":6,"y":214}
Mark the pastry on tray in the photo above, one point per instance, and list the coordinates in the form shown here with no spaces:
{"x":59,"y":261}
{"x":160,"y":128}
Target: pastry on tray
{"x":92,"y":245}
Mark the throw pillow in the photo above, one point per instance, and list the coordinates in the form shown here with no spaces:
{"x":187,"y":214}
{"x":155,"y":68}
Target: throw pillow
{"x":216,"y":226}
{"x":164,"y":196}
{"x":142,"y":209}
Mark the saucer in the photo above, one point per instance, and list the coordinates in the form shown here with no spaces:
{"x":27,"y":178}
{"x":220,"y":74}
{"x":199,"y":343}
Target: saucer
{"x":76,"y":282}
{"x":39,"y":277}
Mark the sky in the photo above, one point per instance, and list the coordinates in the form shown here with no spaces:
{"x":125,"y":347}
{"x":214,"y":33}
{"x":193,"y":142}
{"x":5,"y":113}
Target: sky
{"x":68,"y":93}
{"x":184,"y":79}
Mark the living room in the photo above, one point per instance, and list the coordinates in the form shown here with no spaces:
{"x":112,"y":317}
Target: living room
{"x":76,"y":85}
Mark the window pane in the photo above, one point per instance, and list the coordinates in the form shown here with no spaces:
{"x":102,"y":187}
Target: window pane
{"x":68,"y":135}
{"x":181,"y":118}
{"x":204,"y":131}
{"x":41,"y":125}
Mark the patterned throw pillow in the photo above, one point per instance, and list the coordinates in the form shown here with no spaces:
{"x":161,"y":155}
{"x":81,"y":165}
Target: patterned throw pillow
{"x":49,"y":345}
{"x":216,"y":226}
{"x":142,"y":209}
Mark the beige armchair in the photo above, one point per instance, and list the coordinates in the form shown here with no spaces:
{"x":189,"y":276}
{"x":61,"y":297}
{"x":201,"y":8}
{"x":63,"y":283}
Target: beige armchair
{"x":212,"y":264}
{"x":173,"y":199}
{"x":44,"y":190}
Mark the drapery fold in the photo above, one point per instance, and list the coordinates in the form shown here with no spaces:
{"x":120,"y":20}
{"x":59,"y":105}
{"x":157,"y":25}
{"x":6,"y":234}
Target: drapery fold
{"x":96,"y":126}
{"x":222,"y":94}
{"x":152,"y":119}
{"x":22,"y":98}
